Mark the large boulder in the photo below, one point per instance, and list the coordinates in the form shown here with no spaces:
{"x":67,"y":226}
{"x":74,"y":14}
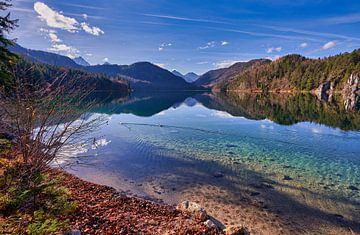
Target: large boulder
{"x":193,"y":208}
{"x":351,"y":91}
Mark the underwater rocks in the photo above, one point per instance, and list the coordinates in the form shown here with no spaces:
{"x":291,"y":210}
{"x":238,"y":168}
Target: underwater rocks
{"x":218,"y":175}
{"x":350,"y":92}
{"x":286,"y":177}
{"x":351,"y":187}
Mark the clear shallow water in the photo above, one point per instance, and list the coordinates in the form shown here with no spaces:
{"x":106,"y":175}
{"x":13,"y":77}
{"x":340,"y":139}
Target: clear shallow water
{"x":187,"y":144}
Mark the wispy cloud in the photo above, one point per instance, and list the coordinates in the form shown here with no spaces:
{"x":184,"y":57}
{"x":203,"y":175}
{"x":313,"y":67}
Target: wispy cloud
{"x":65,"y":49}
{"x":345,"y":19}
{"x":83,"y":6}
{"x":207,"y":45}
{"x":91,"y":30}
{"x":303,"y":45}
{"x":273,"y":49}
{"x":202,"y":62}
{"x":224,"y":43}
{"x":312,"y":33}
{"x":329,"y":45}
{"x":226,"y":63}
{"x":164,"y":45}
{"x":171,"y":17}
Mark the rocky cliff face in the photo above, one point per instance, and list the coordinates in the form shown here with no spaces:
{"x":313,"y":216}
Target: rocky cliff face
{"x":351,"y":92}
{"x":325,"y":91}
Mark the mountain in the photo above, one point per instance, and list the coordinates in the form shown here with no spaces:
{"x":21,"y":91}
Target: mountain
{"x":214,"y":77}
{"x":189,"y":77}
{"x":81,"y":61}
{"x":144,"y":75}
{"x":298,"y":73}
{"x":177,"y":73}
{"x":141,"y":75}
{"x":45,"y":57}
{"x":44,"y":74}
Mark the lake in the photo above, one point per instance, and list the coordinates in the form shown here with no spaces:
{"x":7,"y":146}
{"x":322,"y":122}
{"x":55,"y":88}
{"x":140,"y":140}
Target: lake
{"x":277,"y":163}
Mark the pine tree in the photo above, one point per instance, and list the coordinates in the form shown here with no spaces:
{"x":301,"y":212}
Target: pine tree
{"x":7,"y":58}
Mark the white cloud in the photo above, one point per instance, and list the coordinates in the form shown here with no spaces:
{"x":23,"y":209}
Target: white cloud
{"x":304,"y":45}
{"x":65,"y":49}
{"x":89,"y":54}
{"x":55,"y":19}
{"x":106,"y":60}
{"x":208,"y":45}
{"x":224,"y":43}
{"x":225,"y":63}
{"x":91,"y":30}
{"x":273,"y":49}
{"x":160,"y":65}
{"x":202,"y":62}
{"x":328,"y":45}
{"x":164,"y":45}
{"x":53,"y":37}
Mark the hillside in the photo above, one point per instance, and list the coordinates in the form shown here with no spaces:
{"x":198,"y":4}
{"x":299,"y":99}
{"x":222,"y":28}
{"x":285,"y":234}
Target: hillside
{"x":217,"y":76}
{"x":144,"y":75}
{"x":141,"y":75}
{"x":295,"y":72}
{"x":45,"y":73}
{"x":45,"y":57}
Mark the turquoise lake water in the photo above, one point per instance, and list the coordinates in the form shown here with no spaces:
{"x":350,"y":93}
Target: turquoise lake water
{"x":184,"y":139}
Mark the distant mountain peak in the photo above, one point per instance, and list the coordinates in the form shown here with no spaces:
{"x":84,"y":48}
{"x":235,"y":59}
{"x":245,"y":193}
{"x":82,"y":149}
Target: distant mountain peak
{"x":81,"y":61}
{"x":189,"y":77}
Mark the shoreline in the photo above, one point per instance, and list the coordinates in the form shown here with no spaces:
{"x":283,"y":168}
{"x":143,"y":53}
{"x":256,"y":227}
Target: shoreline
{"x":260,"y":207}
{"x":104,"y":210}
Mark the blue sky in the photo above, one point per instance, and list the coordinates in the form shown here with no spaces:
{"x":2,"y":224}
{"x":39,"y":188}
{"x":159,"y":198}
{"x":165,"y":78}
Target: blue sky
{"x":188,"y":35}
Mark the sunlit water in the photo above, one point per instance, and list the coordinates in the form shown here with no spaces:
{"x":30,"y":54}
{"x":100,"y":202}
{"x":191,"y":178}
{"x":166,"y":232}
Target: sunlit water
{"x":188,"y":144}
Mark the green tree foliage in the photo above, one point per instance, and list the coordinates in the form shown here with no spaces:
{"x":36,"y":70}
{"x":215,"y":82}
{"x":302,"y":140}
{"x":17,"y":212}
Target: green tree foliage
{"x":7,"y":59}
{"x":295,"y":72}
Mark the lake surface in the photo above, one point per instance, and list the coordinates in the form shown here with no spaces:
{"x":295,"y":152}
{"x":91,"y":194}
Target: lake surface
{"x":279,"y":164}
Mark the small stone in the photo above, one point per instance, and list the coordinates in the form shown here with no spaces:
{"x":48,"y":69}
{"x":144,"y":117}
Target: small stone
{"x":254,"y":194}
{"x":218,"y":175}
{"x":75,"y":232}
{"x":236,"y":230}
{"x":338,"y":216}
{"x":210,"y":224}
{"x":286,"y":177}
{"x":351,"y":187}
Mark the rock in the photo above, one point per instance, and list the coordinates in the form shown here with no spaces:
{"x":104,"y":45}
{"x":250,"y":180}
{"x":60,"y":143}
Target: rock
{"x":74,"y":232}
{"x":322,"y":92}
{"x":254,"y":194}
{"x":351,"y":187}
{"x":194,"y":208}
{"x":236,"y":230}
{"x":286,"y":177}
{"x":351,"y":91}
{"x":218,"y":175}
{"x":210,"y":224}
